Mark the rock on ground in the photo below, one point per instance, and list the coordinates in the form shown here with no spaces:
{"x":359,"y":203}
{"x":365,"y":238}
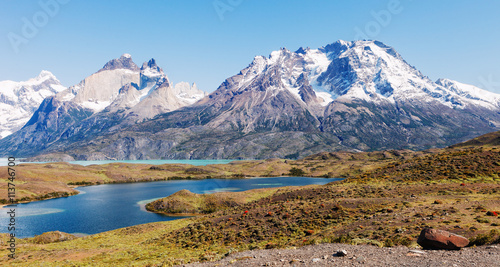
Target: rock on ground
{"x":439,"y":239}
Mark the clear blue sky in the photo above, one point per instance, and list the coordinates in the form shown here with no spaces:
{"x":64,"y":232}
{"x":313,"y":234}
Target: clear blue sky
{"x":196,"y":42}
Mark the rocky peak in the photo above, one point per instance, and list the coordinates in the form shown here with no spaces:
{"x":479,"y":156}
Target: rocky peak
{"x":151,"y":64}
{"x":302,"y":50}
{"x":124,"y":62}
{"x":336,"y":48}
{"x":151,"y":74}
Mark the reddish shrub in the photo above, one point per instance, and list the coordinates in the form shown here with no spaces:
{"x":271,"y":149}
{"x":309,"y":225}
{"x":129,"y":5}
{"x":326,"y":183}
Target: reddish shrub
{"x":492,"y":213}
{"x":309,"y":232}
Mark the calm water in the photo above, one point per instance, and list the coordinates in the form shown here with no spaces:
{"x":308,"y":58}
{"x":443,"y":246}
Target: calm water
{"x":196,"y":162}
{"x":106,"y":207}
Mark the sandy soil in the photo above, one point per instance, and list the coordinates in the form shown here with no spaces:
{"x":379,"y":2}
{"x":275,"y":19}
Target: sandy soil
{"x":362,"y":255}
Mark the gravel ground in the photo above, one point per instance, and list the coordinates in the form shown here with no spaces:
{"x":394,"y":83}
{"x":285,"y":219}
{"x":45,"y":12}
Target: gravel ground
{"x":362,"y":255}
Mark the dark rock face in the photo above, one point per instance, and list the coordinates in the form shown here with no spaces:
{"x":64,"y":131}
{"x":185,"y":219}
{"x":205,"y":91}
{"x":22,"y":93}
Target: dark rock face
{"x":150,"y":73}
{"x":439,"y":239}
{"x":124,"y":62}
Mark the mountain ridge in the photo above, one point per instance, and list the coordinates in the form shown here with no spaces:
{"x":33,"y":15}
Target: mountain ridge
{"x":359,"y":95}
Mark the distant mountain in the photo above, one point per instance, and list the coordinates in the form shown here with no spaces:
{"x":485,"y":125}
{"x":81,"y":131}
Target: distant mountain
{"x":19,"y":100}
{"x":354,"y":96}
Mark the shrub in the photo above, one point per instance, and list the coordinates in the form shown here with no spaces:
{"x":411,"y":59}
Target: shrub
{"x":297,"y":172}
{"x":484,"y":239}
{"x":492,"y":213}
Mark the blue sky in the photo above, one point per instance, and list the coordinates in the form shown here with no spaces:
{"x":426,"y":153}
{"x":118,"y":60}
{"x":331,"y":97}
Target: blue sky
{"x":208,"y":41}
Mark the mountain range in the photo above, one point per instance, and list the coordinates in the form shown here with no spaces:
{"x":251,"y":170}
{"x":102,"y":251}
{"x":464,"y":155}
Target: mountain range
{"x":356,"y":96}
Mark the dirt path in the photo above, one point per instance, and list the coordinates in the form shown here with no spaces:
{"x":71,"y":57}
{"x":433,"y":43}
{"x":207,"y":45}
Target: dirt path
{"x":362,"y":255}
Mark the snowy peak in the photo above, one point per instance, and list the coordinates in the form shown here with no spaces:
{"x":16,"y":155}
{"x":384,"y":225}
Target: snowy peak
{"x":364,"y":70}
{"x":19,"y":100}
{"x":369,"y":70}
{"x":151,"y":64}
{"x":45,"y":75}
{"x":151,"y":74}
{"x":124,"y":62}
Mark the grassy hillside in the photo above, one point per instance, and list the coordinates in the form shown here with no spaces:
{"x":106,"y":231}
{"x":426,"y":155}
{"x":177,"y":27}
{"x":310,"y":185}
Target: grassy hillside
{"x":490,"y":139}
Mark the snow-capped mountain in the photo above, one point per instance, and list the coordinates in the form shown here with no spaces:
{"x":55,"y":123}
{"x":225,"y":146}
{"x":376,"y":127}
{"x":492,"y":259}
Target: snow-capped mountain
{"x":19,"y":100}
{"x":111,"y":86}
{"x":119,"y":93}
{"x":362,"y":70}
{"x":358,"y":95}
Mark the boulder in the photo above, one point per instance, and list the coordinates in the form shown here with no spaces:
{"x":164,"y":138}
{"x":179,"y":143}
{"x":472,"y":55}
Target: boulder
{"x":52,"y":237}
{"x":439,"y":239}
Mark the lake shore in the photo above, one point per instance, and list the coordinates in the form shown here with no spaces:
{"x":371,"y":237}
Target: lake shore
{"x":38,"y":181}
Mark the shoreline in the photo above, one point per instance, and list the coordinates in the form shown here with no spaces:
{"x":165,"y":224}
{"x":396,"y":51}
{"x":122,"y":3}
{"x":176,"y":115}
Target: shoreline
{"x":73,"y":186}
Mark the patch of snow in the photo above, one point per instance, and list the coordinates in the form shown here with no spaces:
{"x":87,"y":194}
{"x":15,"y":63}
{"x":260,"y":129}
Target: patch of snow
{"x":151,"y":73}
{"x":471,"y":94}
{"x":95,"y":105}
{"x":145,"y":92}
{"x":326,"y":97}
{"x":188,"y":94}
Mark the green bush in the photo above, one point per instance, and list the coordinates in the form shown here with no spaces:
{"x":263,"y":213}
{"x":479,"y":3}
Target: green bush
{"x":296,"y":172}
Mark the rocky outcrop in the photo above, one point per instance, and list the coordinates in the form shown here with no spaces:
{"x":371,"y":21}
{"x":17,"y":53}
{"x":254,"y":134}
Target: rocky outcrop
{"x":439,"y":239}
{"x":124,"y":62}
{"x":52,"y":237}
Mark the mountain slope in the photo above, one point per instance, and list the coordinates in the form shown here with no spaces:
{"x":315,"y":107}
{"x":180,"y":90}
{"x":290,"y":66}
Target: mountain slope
{"x":19,"y":100}
{"x":489,"y":139}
